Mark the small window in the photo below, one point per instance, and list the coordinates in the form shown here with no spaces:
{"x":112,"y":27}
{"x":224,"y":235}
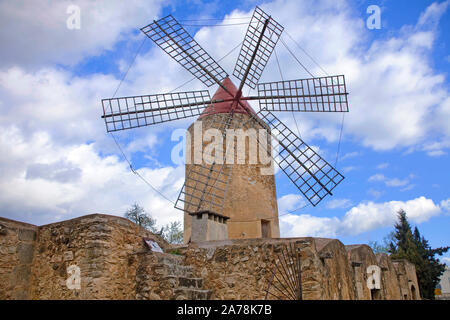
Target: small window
{"x":265,"y":229}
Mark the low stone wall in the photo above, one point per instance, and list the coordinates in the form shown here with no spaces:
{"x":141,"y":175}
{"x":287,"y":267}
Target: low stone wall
{"x":17,"y":243}
{"x":242,"y":269}
{"x":390,"y":284}
{"x":35,"y":260}
{"x":407,"y":278}
{"x":337,"y":276}
{"x":114,"y":263}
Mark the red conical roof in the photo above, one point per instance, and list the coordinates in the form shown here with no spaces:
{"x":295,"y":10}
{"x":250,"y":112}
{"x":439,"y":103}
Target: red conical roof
{"x":225,"y":107}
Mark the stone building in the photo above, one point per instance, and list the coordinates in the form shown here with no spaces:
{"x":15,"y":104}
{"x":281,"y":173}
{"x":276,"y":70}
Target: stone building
{"x":105,"y":257}
{"x":444,"y":286}
{"x":251,"y":201}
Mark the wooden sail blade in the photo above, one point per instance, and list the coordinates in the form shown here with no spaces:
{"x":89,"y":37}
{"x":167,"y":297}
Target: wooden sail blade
{"x":170,"y":36}
{"x":138,"y":111}
{"x":310,"y":173}
{"x":260,"y":40}
{"x":325,"y":94}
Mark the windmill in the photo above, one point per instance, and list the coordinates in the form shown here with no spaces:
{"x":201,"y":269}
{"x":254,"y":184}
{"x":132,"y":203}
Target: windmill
{"x":206,"y":185}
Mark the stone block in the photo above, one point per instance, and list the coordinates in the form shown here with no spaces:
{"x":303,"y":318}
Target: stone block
{"x":68,"y":256}
{"x":27,"y":235}
{"x":25,"y":253}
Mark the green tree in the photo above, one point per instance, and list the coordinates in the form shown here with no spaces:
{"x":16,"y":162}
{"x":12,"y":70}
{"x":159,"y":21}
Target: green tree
{"x":416,"y":249}
{"x":138,"y":215}
{"x":384,"y":246}
{"x":172,"y":233}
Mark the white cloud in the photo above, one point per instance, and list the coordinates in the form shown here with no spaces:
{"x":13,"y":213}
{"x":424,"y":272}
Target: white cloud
{"x":350,"y":155}
{"x":377,"y":177}
{"x":446,"y":260}
{"x":390,"y":182}
{"x":305,"y":225}
{"x":339,"y":203}
{"x":362,"y":218}
{"x":375,"y":193}
{"x":290,"y":202}
{"x":50,"y":182}
{"x":349,"y":169}
{"x":36,"y":31}
{"x":433,"y":13}
{"x":445,"y":205}
{"x":383,"y":165}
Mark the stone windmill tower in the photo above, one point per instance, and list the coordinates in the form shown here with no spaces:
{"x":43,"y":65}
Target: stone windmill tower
{"x":231,"y":194}
{"x":251,"y":202}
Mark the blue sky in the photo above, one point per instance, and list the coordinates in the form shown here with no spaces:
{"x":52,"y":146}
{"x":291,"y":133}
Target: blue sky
{"x":58,"y":162}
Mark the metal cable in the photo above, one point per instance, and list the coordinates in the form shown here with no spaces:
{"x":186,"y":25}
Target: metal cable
{"x":214,"y":25}
{"x":307,"y":54}
{"x":115,"y":140}
{"x":293,"y":55}
{"x":214,"y":19}
{"x":282,"y":78}
{"x":295,"y":210}
{"x":303,"y":66}
{"x":340,"y":138}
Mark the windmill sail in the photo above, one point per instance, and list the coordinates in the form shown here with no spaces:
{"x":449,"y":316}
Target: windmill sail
{"x":311,"y":174}
{"x":204,"y":188}
{"x":262,"y":35}
{"x":205,"y":185}
{"x":170,"y":36}
{"x":326,"y":94}
{"x":138,"y":111}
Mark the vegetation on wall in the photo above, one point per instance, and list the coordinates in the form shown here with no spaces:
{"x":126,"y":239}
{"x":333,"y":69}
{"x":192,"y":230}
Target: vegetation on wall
{"x":171,"y":232}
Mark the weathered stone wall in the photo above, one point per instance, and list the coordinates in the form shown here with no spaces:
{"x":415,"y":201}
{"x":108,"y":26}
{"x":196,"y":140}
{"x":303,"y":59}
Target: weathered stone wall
{"x":407,"y":278}
{"x":241,"y":269}
{"x":17,"y":242}
{"x":337,"y":276}
{"x":390,"y":285}
{"x":34,"y":260}
{"x":361,"y":257}
{"x":115,"y":264}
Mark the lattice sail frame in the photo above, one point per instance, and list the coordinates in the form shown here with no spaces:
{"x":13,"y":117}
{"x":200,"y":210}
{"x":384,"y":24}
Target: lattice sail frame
{"x":138,"y":111}
{"x":171,"y":37}
{"x":205,"y":186}
{"x":324,"y":94}
{"x":314,"y":177}
{"x":272,"y":31}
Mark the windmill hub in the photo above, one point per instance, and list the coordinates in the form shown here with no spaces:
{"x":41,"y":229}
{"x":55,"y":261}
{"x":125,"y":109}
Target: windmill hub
{"x":231,"y":99}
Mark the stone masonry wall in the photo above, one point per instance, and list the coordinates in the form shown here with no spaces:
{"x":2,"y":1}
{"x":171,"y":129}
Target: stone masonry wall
{"x":337,"y":275}
{"x":241,"y":269}
{"x":17,"y":242}
{"x":114,"y":263}
{"x":390,"y":284}
{"x":34,"y":260}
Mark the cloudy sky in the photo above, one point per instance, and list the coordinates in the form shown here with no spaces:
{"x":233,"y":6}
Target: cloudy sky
{"x":57,"y":161}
